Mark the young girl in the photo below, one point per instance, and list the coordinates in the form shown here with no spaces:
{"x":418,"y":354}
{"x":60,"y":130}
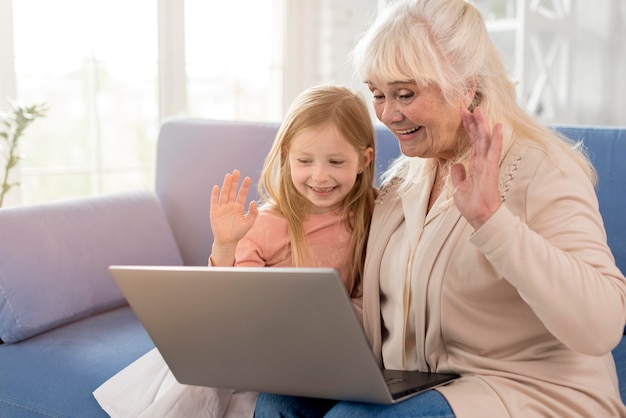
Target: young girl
{"x":317,"y":191}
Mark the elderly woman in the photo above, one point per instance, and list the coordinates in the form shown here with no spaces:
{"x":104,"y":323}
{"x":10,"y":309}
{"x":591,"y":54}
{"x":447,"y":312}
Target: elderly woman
{"x":487,"y":253}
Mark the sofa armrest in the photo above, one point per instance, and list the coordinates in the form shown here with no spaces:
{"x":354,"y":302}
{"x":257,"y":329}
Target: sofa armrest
{"x":54,"y":257}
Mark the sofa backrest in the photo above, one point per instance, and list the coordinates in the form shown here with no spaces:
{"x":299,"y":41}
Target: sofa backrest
{"x":192,"y":156}
{"x":607,"y":150}
{"x":195,"y":154}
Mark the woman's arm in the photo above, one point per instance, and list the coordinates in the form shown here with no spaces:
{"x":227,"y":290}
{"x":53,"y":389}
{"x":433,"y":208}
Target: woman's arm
{"x":557,"y":256}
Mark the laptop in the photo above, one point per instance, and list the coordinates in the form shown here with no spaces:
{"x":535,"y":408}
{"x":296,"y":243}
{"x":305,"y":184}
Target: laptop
{"x":290,"y":331}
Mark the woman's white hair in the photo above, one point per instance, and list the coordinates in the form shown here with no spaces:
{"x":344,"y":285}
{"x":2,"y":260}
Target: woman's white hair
{"x":445,"y":43}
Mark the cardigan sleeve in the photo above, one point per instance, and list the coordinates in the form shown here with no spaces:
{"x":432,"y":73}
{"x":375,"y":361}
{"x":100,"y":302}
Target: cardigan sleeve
{"x":555,"y":254}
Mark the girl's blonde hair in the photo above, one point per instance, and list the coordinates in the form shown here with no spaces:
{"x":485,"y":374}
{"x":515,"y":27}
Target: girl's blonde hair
{"x":317,"y":107}
{"x":445,"y":43}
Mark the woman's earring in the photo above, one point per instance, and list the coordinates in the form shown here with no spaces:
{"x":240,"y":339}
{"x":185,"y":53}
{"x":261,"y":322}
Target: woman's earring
{"x":475,"y":101}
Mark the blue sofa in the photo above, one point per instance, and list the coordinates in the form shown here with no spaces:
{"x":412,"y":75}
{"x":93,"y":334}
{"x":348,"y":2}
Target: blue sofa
{"x":66,"y":327}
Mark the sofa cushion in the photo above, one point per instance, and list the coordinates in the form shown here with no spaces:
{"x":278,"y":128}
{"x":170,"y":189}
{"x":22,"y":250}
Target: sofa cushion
{"x":54,"y":257}
{"x":54,"y":374}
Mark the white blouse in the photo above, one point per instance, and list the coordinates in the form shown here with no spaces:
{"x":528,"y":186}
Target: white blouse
{"x":404,"y":291}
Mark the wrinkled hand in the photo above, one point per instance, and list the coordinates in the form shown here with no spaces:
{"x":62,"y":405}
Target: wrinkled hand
{"x":229,"y":221}
{"x":476,"y":193}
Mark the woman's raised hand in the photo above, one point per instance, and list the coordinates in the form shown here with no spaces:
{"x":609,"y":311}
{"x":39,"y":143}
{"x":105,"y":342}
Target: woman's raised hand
{"x":476,"y":191}
{"x":229,"y":221}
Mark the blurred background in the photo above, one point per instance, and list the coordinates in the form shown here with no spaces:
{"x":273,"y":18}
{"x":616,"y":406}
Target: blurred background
{"x":111,"y":71}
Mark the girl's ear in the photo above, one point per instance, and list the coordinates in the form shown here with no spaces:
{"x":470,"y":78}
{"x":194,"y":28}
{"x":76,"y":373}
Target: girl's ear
{"x":368,"y":156}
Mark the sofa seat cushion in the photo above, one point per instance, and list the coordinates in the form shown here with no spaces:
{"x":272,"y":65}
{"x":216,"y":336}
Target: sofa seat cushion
{"x":54,"y":257}
{"x":55,"y":373}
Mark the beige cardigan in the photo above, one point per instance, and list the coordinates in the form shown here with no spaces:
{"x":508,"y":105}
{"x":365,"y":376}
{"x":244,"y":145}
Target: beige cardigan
{"x":530,"y":305}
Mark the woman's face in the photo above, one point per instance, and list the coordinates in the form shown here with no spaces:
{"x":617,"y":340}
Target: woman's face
{"x":425,"y":124}
{"x":325,"y":166}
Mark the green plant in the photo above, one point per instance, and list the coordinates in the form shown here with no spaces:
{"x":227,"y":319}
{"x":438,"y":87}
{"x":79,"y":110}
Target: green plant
{"x":12,"y":126}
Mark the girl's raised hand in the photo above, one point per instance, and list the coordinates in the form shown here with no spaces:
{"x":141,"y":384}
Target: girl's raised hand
{"x":229,"y":221}
{"x":476,"y":192}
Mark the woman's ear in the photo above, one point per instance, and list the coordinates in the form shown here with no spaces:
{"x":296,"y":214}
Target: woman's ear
{"x":472,"y":97}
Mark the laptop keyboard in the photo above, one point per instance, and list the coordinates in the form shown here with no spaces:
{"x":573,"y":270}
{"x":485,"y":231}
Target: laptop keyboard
{"x":394,"y":380}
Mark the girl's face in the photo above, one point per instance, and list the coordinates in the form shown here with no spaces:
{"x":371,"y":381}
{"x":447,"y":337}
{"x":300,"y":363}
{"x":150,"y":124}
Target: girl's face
{"x":425,"y":124}
{"x":324,"y":166}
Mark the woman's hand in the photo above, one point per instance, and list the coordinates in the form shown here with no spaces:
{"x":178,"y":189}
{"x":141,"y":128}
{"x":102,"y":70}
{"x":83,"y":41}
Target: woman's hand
{"x":229,"y":221}
{"x":476,"y":192}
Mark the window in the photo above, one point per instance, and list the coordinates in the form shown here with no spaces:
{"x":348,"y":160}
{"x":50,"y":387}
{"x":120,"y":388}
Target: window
{"x":96,"y":65}
{"x":234,"y":65}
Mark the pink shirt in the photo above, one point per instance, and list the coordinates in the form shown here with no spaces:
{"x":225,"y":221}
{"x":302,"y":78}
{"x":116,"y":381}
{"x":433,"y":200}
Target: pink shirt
{"x":267,"y":243}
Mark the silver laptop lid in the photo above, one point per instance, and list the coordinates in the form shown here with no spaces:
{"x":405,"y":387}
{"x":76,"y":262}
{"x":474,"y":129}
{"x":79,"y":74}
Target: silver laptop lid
{"x":291,"y":331}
